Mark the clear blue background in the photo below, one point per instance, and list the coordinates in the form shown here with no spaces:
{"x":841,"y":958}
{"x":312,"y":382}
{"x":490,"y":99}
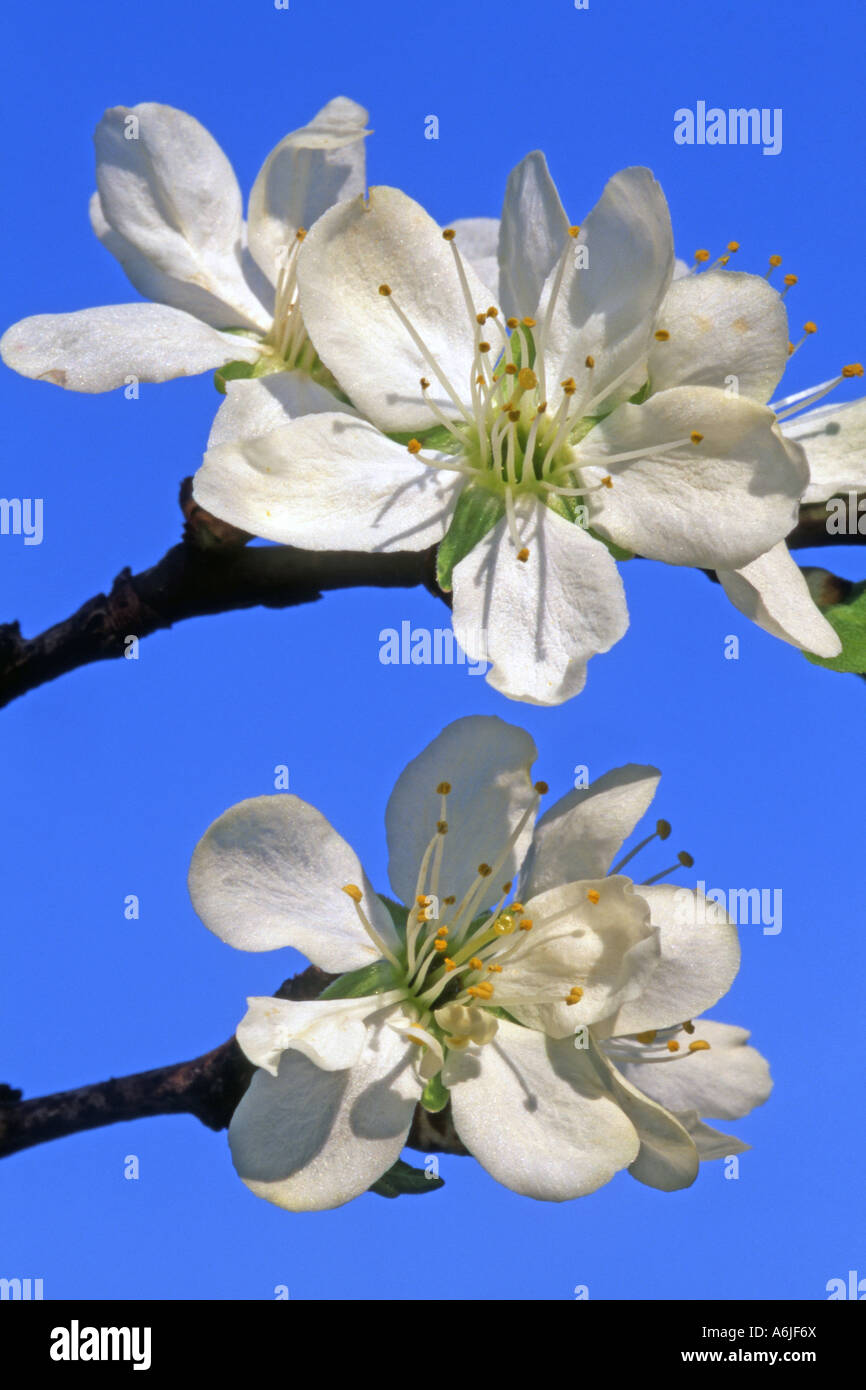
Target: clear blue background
{"x":111,"y":774}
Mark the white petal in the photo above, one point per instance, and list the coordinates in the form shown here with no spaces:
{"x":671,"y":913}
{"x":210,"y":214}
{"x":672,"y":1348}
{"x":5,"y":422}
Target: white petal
{"x":164,"y":288}
{"x":834,"y":438}
{"x":98,"y":349}
{"x":532,"y":234}
{"x":351,"y":251}
{"x":607,"y":308}
{"x":773,"y":592}
{"x":722,"y":324}
{"x":310,"y":1139}
{"x":478,"y":240}
{"x":487,"y":764}
{"x":699,"y":961}
{"x":169,"y":193}
{"x":254,"y":406}
{"x":327,"y":482}
{"x":580,"y":835}
{"x":668,"y":1158}
{"x":710,"y":1143}
{"x":270,"y":872}
{"x":538,"y":621}
{"x":538,"y":1116}
{"x":331,"y":1032}
{"x":607,"y":948}
{"x":308,"y":172}
{"x":723,"y":1083}
{"x":718,"y":504}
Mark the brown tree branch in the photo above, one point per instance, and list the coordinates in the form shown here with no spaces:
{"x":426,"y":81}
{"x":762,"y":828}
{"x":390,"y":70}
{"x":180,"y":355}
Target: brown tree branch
{"x":212,"y":570}
{"x":209,"y":1087}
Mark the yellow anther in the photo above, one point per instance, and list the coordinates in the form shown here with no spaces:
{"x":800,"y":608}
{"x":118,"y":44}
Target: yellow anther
{"x":853,"y":369}
{"x":510,"y":369}
{"x":702,"y":256}
{"x":482,"y":991}
{"x":485,"y":870}
{"x":661,"y":335}
{"x":480,"y":318}
{"x":483,"y":347}
{"x":517,"y":907}
{"x":568,"y":386}
{"x":425,"y":385}
{"x":775,"y":261}
{"x":492,"y":311}
{"x":594,"y":895}
{"x":494,"y":969}
{"x":514,"y":416}
{"x":443,"y":789}
{"x":512,"y":322}
{"x":414,"y":446}
{"x":526,"y":924}
{"x":530,"y":322}
{"x":696,"y":436}
{"x":575,"y":994}
{"x":699,"y":1046}
{"x":449,"y":234}
{"x":733,"y":246}
{"x":422,"y":900}
{"x":573,"y":231}
{"x":688,"y":1027}
{"x":449,"y":964}
{"x":542,"y":788}
{"x":353,"y":891}
{"x":442,"y":827}
{"x":523,"y":554}
{"x":448,"y":902}
{"x":647,"y":1037}
{"x":607,"y":481}
{"x":527,"y":379}
{"x":810,"y":327}
{"x":723,"y":260}
{"x":673,"y":1045}
{"x":440,"y":945}
{"x":477,"y":963}
{"x":589,"y":362}
{"x":479,"y":380}
{"x":790,"y":280}
{"x":385,"y":290}
{"x":443,"y":930}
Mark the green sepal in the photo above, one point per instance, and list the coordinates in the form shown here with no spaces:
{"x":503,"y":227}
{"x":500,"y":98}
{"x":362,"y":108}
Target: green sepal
{"x":232,"y":371}
{"x":438,"y":439}
{"x":478,"y":510}
{"x":398,"y":913}
{"x":435,"y":1096}
{"x":403,"y":1178}
{"x":843,"y":604}
{"x":376,"y":978}
{"x":640,"y":396}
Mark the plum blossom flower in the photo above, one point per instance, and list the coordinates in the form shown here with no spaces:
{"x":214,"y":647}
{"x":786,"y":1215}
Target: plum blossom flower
{"x":512,"y":979}
{"x":168,"y":206}
{"x":522,"y":435}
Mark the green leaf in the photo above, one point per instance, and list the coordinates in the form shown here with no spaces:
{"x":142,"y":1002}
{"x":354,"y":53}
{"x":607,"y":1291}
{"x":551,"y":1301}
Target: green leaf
{"x":477,"y":512}
{"x":370,"y":979}
{"x":403,"y":1178}
{"x":399,"y":915}
{"x":844,"y":606}
{"x":640,"y":396}
{"x":232,"y":371}
{"x":435,"y":1096}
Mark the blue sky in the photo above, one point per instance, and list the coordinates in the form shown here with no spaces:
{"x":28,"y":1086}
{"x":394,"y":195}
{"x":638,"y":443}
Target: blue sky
{"x":112,"y":773}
